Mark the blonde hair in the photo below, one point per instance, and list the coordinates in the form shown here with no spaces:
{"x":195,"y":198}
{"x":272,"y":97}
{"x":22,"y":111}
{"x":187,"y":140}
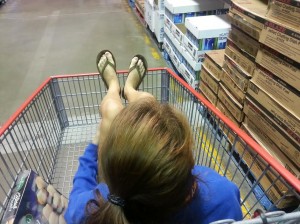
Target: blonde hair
{"x":147,"y":161}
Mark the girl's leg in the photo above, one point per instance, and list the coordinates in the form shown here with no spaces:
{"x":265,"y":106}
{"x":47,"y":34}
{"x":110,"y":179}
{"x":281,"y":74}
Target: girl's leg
{"x":111,"y":104}
{"x":132,"y":81}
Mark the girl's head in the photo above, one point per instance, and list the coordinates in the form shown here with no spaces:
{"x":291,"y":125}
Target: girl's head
{"x":146,"y":160}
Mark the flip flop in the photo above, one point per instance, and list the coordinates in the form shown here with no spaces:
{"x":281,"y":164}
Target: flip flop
{"x":101,"y":53}
{"x":141,"y":76}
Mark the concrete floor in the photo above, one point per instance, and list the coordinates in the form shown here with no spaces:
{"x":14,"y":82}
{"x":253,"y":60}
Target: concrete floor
{"x":40,"y":38}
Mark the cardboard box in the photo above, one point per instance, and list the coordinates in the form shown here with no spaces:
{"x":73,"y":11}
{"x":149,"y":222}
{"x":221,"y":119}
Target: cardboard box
{"x":272,"y":186}
{"x":214,"y":61}
{"x":283,"y":93}
{"x":244,"y":41}
{"x":252,"y":11}
{"x":235,"y":108}
{"x":283,"y":67}
{"x":255,"y":116}
{"x":243,"y":25}
{"x":282,"y":39}
{"x":208,"y":32}
{"x":264,"y":140}
{"x":276,"y":111}
{"x":34,"y":201}
{"x":209,"y":79}
{"x":236,"y":92}
{"x":238,"y":75}
{"x":285,"y":12}
{"x":240,"y":57}
{"x":208,"y":93}
{"x":221,"y":107}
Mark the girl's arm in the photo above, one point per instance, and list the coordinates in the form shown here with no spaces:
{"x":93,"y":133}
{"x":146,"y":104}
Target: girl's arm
{"x":84,"y":184}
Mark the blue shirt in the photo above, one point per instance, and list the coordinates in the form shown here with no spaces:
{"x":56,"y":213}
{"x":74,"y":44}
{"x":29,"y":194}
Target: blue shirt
{"x":217,"y":198}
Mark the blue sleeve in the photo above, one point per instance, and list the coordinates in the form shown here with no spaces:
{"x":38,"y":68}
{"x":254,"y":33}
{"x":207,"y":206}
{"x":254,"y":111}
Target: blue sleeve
{"x":84,"y":184}
{"x":217,"y":198}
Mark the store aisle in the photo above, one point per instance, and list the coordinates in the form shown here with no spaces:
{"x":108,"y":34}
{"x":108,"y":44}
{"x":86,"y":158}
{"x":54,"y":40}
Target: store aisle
{"x":40,"y":38}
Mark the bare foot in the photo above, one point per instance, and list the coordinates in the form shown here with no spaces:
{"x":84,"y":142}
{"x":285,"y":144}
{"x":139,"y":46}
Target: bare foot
{"x":135,"y":76}
{"x":109,"y":74}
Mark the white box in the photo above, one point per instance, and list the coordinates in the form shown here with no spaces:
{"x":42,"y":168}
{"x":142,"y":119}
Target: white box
{"x":177,"y":11}
{"x":149,"y":14}
{"x":195,"y":65}
{"x":167,"y":23}
{"x":175,"y":60}
{"x":187,"y":6}
{"x":167,"y":46}
{"x":198,"y":56}
{"x":174,"y":43}
{"x":211,"y":31}
{"x":159,"y":25}
{"x":190,"y":79}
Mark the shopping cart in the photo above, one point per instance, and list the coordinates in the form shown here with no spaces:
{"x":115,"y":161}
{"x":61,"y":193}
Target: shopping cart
{"x":52,"y":128}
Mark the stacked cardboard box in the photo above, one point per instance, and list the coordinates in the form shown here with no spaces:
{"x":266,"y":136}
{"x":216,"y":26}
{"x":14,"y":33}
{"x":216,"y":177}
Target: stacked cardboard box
{"x":211,"y":71}
{"x":185,"y":27}
{"x":262,"y":73}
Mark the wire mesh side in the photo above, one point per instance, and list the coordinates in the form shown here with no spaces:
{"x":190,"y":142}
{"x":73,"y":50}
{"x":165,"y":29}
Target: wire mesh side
{"x":30,"y":142}
{"x":218,"y":147}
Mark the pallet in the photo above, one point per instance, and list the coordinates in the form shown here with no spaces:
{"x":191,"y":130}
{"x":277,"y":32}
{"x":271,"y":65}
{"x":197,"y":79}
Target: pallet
{"x":140,"y":13}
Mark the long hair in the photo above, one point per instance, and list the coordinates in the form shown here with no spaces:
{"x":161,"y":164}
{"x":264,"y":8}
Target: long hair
{"x":147,"y":161}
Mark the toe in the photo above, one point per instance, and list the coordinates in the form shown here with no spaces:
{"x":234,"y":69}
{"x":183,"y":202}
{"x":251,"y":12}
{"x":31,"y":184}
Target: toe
{"x":102,"y":61}
{"x":109,"y":57}
{"x":141,"y":66}
{"x":133,"y":61}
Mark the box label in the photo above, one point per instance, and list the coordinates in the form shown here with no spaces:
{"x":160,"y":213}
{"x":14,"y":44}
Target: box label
{"x":283,"y":67}
{"x":279,"y":90}
{"x":287,"y":12}
{"x":281,"y":39}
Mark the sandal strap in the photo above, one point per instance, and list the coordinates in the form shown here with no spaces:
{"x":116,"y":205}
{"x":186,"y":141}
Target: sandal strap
{"x":106,"y":64}
{"x":135,"y":67}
